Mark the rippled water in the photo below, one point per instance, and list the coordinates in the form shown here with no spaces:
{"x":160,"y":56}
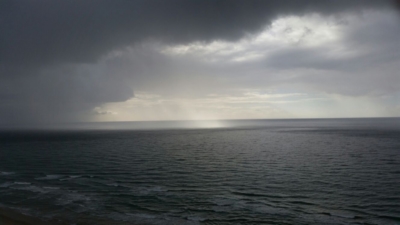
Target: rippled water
{"x":254,"y":172}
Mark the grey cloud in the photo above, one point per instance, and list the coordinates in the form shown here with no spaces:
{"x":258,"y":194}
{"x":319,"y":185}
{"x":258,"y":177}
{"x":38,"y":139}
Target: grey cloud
{"x":80,"y":31}
{"x":58,"y":93}
{"x":370,"y":68}
{"x":51,"y":50}
{"x":374,"y":70}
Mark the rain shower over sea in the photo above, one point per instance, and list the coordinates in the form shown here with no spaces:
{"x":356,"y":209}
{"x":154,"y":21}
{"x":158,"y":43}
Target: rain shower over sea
{"x":325,"y":171}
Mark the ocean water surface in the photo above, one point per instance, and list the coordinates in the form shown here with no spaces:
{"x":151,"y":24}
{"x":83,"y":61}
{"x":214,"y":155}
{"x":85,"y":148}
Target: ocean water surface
{"x":333,"y":171}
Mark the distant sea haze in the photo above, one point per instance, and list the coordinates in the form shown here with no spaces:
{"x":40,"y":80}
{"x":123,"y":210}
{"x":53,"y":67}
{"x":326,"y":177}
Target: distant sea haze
{"x":356,"y":123}
{"x":326,"y":171}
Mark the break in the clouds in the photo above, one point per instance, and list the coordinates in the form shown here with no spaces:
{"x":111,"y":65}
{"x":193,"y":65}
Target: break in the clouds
{"x":66,"y":61}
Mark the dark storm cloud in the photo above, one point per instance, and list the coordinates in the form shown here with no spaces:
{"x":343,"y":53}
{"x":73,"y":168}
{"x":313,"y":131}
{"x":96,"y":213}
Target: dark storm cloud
{"x":47,"y":45}
{"x":49,"y":31}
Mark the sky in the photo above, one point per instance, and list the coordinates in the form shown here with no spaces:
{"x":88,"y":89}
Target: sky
{"x":139,"y":60}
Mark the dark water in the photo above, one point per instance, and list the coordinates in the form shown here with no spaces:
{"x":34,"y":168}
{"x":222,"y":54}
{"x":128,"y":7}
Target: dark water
{"x":255,"y":172}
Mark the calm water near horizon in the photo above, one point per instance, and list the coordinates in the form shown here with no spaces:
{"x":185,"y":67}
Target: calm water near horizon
{"x":327,"y":171}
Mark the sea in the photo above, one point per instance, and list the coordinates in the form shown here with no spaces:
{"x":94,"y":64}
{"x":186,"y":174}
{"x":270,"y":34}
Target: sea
{"x":296,"y":171}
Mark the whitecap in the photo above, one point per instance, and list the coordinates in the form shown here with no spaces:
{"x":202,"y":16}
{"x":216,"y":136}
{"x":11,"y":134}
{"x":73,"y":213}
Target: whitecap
{"x":71,"y":198}
{"x":22,"y":183}
{"x":6,"y":173}
{"x":71,"y":177}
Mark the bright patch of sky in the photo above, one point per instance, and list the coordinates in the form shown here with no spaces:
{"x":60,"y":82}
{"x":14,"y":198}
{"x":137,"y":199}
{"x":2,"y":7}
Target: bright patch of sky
{"x":297,"y":67}
{"x":308,"y":31}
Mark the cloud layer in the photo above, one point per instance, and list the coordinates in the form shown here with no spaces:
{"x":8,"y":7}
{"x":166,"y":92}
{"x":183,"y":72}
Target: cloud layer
{"x":59,"y":60}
